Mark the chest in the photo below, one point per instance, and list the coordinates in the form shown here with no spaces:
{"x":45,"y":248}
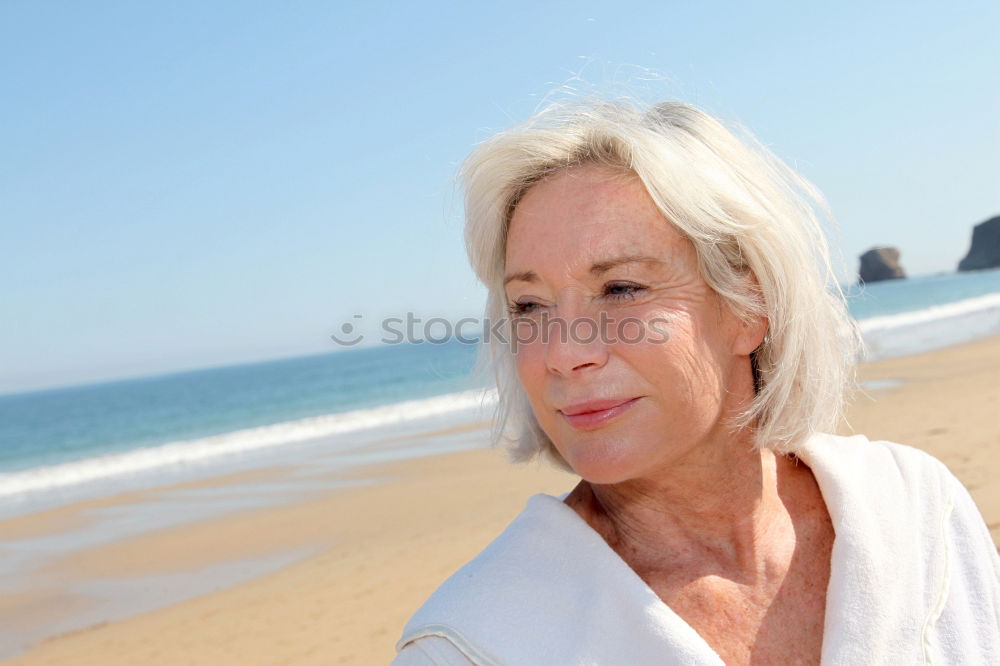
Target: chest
{"x":776,"y":618}
{"x":746,"y":626}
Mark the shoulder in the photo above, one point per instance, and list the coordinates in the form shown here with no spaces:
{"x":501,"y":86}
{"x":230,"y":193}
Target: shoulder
{"x":887,"y":491}
{"x":876,"y":469}
{"x":911,"y":550}
{"x":856,"y":449}
{"x":482,"y":598}
{"x":549,"y":586}
{"x":894,"y":489}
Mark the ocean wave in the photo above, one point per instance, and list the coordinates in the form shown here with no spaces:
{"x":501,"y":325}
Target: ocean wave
{"x":186,"y":452}
{"x":885,"y":336}
{"x":931,"y":327}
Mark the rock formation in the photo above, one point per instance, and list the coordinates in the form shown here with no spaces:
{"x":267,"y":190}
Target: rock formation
{"x":985,"y":250}
{"x":881,"y":263}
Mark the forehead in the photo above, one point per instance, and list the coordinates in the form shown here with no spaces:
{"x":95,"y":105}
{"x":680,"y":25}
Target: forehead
{"x":584,"y":215}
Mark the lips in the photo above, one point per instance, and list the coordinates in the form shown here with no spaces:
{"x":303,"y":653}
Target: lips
{"x":596,"y":413}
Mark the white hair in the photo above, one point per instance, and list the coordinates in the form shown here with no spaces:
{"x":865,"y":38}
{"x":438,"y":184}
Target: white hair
{"x":754,"y":223}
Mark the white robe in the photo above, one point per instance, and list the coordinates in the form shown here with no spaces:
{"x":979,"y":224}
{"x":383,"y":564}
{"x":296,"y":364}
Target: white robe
{"x":914,"y":579}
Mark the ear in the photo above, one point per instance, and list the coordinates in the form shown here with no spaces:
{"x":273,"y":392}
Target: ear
{"x":751,"y":328}
{"x":750,"y":334}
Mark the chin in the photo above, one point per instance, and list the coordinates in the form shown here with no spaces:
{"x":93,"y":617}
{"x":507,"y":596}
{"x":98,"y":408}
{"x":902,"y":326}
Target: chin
{"x":603,"y":462}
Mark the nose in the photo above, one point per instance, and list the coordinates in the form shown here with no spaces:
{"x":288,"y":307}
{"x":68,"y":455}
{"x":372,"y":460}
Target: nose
{"x":573,"y":345}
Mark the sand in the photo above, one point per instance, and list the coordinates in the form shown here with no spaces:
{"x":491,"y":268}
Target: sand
{"x":382,"y":548}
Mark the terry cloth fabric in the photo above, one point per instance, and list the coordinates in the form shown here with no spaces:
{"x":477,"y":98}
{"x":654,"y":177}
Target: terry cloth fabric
{"x":914,"y":579}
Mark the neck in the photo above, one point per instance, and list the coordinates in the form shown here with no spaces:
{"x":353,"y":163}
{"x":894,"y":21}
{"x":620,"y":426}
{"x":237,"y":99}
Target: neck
{"x":718,"y":512}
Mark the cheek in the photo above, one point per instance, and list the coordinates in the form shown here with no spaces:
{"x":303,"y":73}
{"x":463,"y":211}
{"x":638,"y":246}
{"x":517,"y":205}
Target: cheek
{"x":686,"y":379}
{"x":533,"y":375}
{"x":529,"y":361}
{"x":651,"y":337}
{"x":649,"y":324}
{"x":672,"y":360}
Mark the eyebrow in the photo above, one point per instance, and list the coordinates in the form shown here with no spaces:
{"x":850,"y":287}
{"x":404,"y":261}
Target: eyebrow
{"x":605,"y":266}
{"x":598,"y":268}
{"x":523,"y":276}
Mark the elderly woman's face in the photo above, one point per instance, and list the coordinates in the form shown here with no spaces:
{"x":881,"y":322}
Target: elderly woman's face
{"x":640,"y":352}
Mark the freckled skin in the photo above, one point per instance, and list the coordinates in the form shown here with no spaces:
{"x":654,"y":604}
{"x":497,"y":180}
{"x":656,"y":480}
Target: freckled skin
{"x":735,"y":540}
{"x":559,"y":229}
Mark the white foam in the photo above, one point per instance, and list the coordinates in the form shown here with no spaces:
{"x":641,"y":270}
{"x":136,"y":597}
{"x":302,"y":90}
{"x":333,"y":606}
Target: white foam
{"x":932,"y":327}
{"x":186,"y":452}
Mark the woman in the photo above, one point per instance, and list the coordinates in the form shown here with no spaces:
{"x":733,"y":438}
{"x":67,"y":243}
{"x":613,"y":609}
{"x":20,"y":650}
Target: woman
{"x":675,"y":341}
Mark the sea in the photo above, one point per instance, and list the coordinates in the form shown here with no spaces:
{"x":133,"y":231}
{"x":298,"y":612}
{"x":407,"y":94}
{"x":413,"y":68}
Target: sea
{"x":66,"y":444}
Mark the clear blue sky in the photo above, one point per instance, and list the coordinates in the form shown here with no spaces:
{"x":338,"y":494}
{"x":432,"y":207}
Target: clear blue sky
{"x":188,"y":184}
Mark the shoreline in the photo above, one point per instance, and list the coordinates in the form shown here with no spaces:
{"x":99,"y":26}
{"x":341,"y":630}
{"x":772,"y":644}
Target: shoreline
{"x":888,"y":334}
{"x":362,"y":557}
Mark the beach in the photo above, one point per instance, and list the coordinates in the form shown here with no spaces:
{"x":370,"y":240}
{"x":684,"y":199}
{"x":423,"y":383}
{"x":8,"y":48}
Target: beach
{"x":341,"y":567}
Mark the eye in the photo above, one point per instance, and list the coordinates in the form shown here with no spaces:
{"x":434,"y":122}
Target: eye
{"x":622,"y":291}
{"x":521,"y":309}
